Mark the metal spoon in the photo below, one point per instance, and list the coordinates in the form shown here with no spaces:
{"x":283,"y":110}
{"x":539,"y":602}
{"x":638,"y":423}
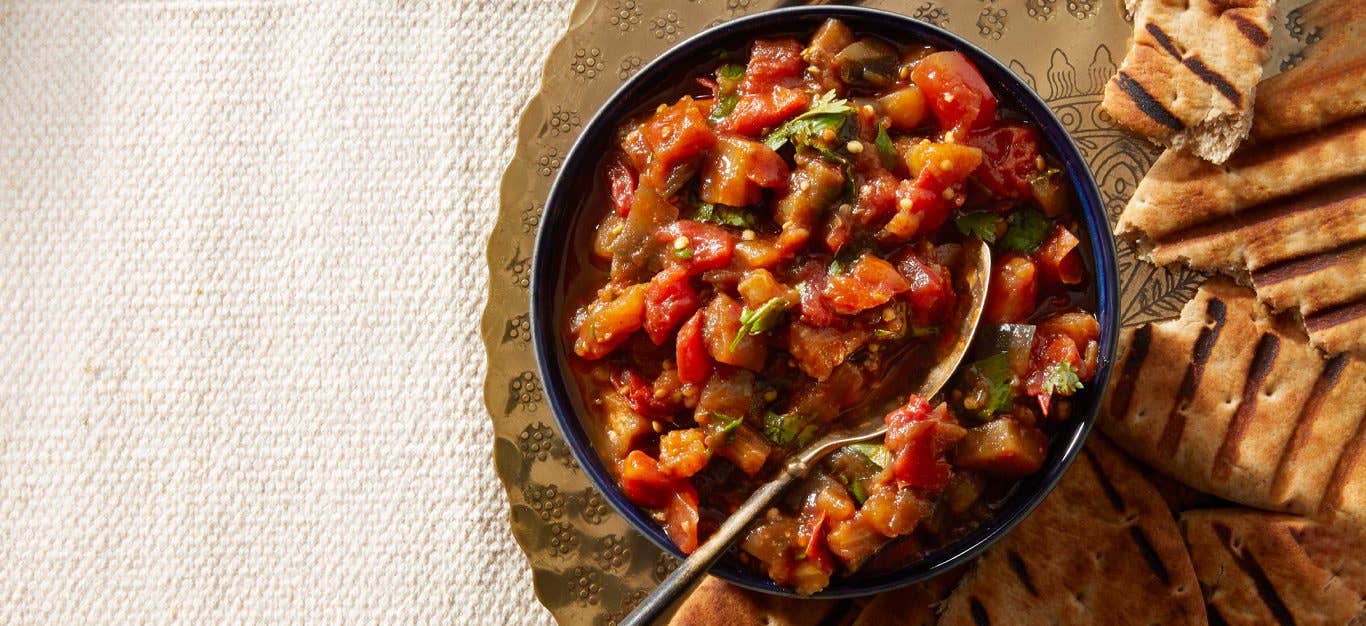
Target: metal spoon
{"x":661,"y":602}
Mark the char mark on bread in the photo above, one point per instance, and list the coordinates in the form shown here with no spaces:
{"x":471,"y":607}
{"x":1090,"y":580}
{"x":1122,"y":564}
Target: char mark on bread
{"x":1248,"y":563}
{"x":1304,"y":424}
{"x":1190,"y":383}
{"x":1147,"y":103}
{"x":1263,"y":358}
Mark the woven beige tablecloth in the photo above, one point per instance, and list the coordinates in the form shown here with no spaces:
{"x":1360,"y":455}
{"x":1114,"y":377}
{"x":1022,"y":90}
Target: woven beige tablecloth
{"x":241,"y":269}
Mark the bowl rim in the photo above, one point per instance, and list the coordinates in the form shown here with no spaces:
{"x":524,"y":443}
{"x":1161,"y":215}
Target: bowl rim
{"x":1063,"y":449}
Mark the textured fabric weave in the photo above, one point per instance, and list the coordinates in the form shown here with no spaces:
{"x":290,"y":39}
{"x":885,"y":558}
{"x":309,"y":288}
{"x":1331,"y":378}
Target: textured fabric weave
{"x":241,"y":270}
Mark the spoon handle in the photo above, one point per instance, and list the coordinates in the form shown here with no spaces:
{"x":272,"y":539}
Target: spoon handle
{"x":663,"y":600}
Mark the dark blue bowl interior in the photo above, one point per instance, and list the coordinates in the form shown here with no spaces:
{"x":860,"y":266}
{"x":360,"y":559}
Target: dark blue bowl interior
{"x":659,"y":81}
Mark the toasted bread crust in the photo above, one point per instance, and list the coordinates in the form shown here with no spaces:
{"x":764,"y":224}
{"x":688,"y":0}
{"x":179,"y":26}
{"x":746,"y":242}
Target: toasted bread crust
{"x":1254,"y":414}
{"x":1262,"y":568}
{"x":1102,"y":548}
{"x":1190,"y":78}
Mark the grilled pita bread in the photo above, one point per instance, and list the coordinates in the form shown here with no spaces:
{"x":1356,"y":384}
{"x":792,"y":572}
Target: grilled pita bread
{"x":1236,"y":403}
{"x":911,"y":606}
{"x":718,"y":603}
{"x":1330,"y":74}
{"x":1189,"y":79}
{"x":1286,"y":216}
{"x":1263,"y":568}
{"x":1102,"y":548}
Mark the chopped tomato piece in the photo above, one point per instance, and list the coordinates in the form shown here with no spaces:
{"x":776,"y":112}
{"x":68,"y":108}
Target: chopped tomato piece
{"x":643,"y":482}
{"x":622,"y":181}
{"x":772,"y":61}
{"x":638,"y":392}
{"x":755,"y":113}
{"x":1013,"y":289}
{"x":815,"y":309}
{"x":680,"y":518}
{"x":955,"y":91}
{"x":694,"y":366}
{"x":815,"y":543}
{"x":683,"y":453}
{"x":870,"y":281}
{"x":705,"y":246}
{"x":675,"y":135}
{"x":919,"y":436}
{"x":900,"y":421}
{"x":923,"y":205}
{"x":1011,"y":159}
{"x":1058,"y":259}
{"x":670,"y":298}
{"x":931,"y":290}
{"x":877,"y":197}
{"x":736,"y":169}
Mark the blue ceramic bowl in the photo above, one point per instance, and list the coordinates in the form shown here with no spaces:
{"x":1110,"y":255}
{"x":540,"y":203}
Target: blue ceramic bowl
{"x":659,"y":81}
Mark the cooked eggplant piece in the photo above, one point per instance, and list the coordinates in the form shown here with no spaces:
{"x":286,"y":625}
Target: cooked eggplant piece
{"x":867,"y":63}
{"x":1003,"y":447}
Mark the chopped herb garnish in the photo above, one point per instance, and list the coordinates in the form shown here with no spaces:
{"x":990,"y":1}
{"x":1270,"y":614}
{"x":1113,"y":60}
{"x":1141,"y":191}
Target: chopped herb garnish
{"x":885,"y":150}
{"x":724,"y":105}
{"x":724,"y":215}
{"x":825,"y":113}
{"x":760,"y":320}
{"x":994,"y":372}
{"x":856,"y":489}
{"x":683,"y":253}
{"x":1026,"y":230}
{"x":924,"y":331}
{"x":984,"y":226}
{"x":1061,"y":378}
{"x":788,"y":429}
{"x":875,"y":452}
{"x":731,"y":73}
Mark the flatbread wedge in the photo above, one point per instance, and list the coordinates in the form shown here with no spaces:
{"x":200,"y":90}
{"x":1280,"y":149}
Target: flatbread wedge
{"x":1102,"y":548}
{"x":1236,"y":403}
{"x":718,"y":603}
{"x":1265,"y":568}
{"x":1189,"y":79}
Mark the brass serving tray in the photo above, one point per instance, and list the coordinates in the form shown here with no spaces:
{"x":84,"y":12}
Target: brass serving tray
{"x":588,"y":566}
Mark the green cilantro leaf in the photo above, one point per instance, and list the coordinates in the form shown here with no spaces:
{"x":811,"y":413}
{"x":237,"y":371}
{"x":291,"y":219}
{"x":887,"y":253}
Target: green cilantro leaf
{"x":993,"y":372}
{"x":856,"y":489}
{"x":875,"y":452}
{"x":885,"y":150}
{"x":760,"y":320}
{"x":788,"y":429}
{"x":724,"y":215}
{"x":826,"y":112}
{"x":683,"y":253}
{"x":1061,"y":378}
{"x":1026,"y":230}
{"x":731,"y":73}
{"x":984,"y":226}
{"x":724,"y":105}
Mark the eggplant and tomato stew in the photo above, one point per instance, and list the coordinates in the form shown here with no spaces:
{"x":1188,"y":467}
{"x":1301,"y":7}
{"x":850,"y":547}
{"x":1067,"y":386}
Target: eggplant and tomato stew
{"x":776,"y":241}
